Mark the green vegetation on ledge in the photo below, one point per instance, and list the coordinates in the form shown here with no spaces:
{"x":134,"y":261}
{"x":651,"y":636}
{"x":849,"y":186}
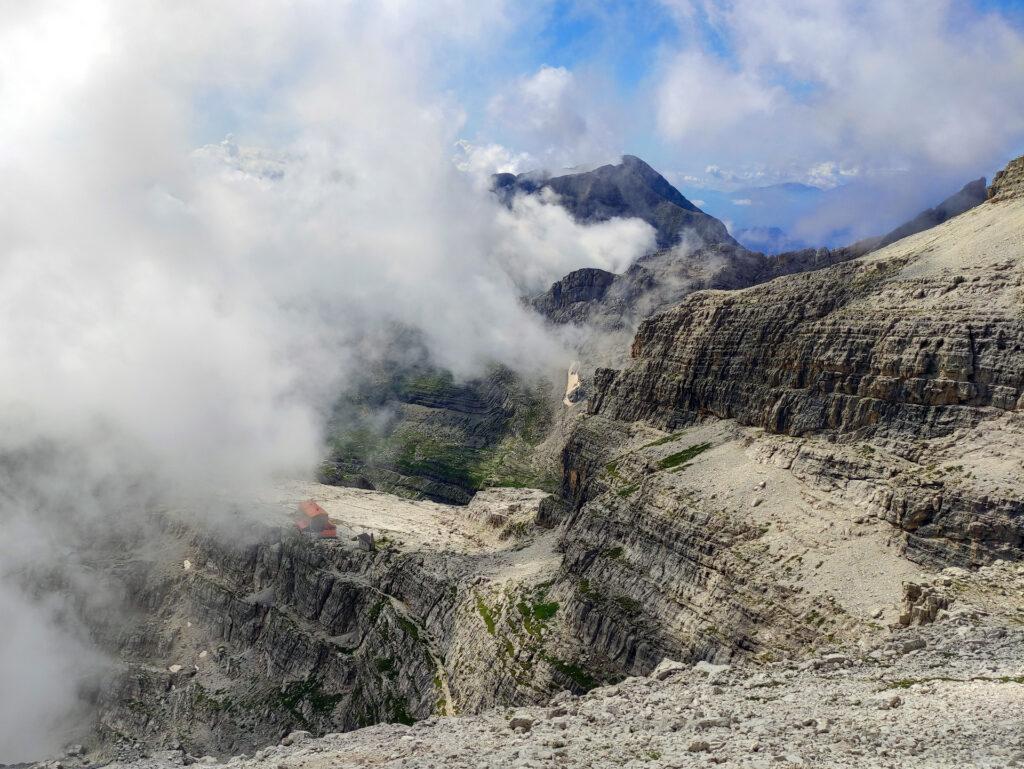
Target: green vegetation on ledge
{"x":684,"y":456}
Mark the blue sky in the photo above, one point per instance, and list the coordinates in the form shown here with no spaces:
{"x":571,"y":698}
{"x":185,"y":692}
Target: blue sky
{"x":907,"y":100}
{"x":916,"y":96}
{"x":624,"y":40}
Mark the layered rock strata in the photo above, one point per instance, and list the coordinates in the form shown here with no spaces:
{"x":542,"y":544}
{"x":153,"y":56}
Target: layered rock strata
{"x":904,"y":350}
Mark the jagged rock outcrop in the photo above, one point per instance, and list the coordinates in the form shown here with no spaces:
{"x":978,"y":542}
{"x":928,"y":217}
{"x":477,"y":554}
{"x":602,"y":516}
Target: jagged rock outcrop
{"x":570,"y":299}
{"x":947,"y":694}
{"x":231,"y":640}
{"x":608,"y":302}
{"x":629,"y":189}
{"x":1008,"y":183}
{"x":922,"y":341}
{"x":972,"y":194}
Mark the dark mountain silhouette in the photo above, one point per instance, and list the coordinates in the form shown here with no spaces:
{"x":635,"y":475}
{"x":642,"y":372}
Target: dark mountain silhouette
{"x":971,"y":195}
{"x":630,"y":189}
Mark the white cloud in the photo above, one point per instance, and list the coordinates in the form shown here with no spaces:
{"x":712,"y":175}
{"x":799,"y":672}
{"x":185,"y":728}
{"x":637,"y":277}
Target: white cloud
{"x":175,"y":321}
{"x":558,"y":118}
{"x":700,"y":96}
{"x":540,"y":228}
{"x":927,"y":85}
{"x":481,"y":161}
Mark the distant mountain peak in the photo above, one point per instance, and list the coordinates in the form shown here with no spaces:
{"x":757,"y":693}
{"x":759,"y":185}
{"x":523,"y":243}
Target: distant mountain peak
{"x":630,"y":188}
{"x":970,"y":195}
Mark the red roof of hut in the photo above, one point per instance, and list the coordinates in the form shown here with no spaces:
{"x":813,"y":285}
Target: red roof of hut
{"x":314,"y":518}
{"x":311,"y":509}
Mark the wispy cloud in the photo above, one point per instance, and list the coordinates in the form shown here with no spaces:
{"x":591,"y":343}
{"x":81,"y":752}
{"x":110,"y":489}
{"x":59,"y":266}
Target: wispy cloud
{"x":559,"y":117}
{"x":177,"y":319}
{"x":816,"y":87}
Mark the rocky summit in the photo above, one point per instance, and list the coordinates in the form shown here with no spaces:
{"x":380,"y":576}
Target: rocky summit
{"x":630,"y":188}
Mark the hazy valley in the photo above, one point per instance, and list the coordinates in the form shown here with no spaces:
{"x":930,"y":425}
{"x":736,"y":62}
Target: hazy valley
{"x":363,"y":405}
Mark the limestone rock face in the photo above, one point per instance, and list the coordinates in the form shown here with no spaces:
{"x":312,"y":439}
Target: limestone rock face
{"x":950,"y":693}
{"x":916,"y":343}
{"x":269,"y":631}
{"x":576,"y":291}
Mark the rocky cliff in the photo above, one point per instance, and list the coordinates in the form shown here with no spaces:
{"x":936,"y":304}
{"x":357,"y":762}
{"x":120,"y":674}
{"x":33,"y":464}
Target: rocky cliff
{"x":1008,"y":183}
{"x":948,"y":694}
{"x":779,"y":472}
{"x":915,"y":352}
{"x":231,"y":639}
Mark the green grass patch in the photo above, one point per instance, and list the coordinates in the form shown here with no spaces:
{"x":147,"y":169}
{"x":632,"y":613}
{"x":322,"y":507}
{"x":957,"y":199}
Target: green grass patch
{"x":684,"y":456}
{"x":421,"y":455}
{"x":573,"y":672}
{"x":358,"y":443}
{"x":545,"y":611}
{"x":408,"y":626}
{"x":308,"y":691}
{"x":626,"y":491}
{"x":376,"y":609}
{"x":427,"y":383}
{"x":663,"y":441}
{"x":585,"y":589}
{"x":537,"y":615}
{"x":628,"y":605}
{"x":486,"y":614}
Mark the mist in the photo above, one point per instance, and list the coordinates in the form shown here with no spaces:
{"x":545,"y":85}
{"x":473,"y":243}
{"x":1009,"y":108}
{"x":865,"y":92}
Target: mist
{"x":180,"y":313}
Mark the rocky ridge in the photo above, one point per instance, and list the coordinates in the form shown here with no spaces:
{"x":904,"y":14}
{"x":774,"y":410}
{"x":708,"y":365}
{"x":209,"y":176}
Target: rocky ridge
{"x":972,"y":194}
{"x":945,"y":694}
{"x":913,"y":352}
{"x":607,"y":301}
